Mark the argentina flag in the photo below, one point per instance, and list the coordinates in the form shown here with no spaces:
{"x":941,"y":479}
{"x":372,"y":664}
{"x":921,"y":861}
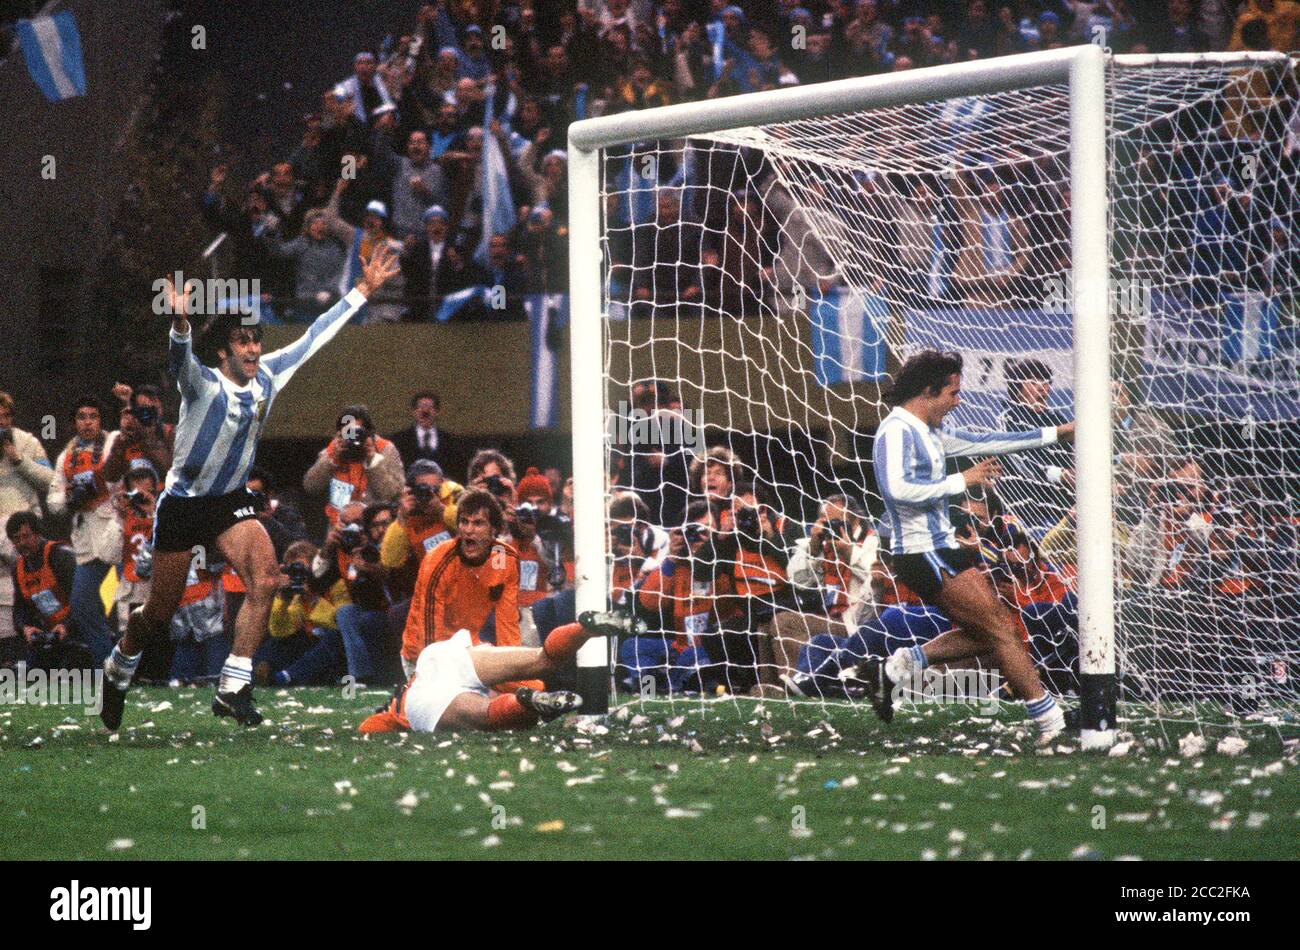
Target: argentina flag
{"x":498,"y":202}
{"x":52,"y":48}
{"x":548,"y":318}
{"x":848,"y":335}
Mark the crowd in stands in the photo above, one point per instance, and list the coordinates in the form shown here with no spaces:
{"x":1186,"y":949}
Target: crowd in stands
{"x":447,"y":142}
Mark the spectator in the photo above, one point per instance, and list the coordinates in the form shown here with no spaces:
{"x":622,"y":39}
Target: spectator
{"x":388,"y":305}
{"x":80,"y":490}
{"x":425,"y":439}
{"x":472,"y":61}
{"x":43,"y":582}
{"x":536,"y":560}
{"x":143,"y":434}
{"x":543,"y":252}
{"x":246,"y":227}
{"x":25,"y":477}
{"x":418,"y":183}
{"x":489,"y":463}
{"x":713,"y":479}
{"x":434,"y":267}
{"x":365,"y":88}
{"x":318,"y":255}
{"x":550,"y":188}
{"x":357,"y":465}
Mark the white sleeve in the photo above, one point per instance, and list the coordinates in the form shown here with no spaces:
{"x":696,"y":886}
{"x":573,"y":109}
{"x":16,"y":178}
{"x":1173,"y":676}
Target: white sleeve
{"x":891,"y":469}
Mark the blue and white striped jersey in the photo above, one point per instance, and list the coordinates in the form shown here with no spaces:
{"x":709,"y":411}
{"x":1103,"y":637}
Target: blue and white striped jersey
{"x":909,"y":461}
{"x":220,"y":423}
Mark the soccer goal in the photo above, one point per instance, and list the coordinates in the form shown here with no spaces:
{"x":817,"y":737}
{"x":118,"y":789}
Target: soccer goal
{"x":1112,"y":238}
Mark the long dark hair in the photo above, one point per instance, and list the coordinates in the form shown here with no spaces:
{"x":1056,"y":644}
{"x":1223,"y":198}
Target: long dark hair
{"x":924,"y":374}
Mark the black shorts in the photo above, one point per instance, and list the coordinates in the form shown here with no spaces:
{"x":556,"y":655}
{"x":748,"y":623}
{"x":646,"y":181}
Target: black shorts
{"x":181,"y":523}
{"x":925,"y":574}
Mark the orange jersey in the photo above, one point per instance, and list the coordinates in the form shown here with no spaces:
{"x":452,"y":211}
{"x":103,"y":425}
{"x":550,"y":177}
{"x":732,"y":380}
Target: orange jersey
{"x":684,"y":603}
{"x":452,"y":594}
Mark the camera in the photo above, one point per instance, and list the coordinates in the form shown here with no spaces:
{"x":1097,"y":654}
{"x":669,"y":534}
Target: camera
{"x":837,"y":526}
{"x":145,"y":415}
{"x":747,"y":522}
{"x":351,"y":537}
{"x":137,"y":499}
{"x":6,"y":435}
{"x":144,"y":561}
{"x":496,"y":485}
{"x":424,"y":494}
{"x":695,"y":532}
{"x":298,"y":575}
{"x":370,"y":553}
{"x":45,"y":641}
{"x":79,"y":494}
{"x":354,"y":446}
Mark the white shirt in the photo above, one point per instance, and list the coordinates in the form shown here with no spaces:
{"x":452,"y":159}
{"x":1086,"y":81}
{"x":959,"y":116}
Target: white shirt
{"x":427,"y":438}
{"x":909,"y":458}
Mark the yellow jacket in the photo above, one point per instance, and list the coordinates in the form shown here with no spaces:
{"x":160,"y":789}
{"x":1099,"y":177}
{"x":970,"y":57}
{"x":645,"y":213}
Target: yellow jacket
{"x":304,"y":612}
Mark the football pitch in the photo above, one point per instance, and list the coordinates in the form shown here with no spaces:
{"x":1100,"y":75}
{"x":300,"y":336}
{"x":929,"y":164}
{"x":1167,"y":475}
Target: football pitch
{"x":694,"y":780}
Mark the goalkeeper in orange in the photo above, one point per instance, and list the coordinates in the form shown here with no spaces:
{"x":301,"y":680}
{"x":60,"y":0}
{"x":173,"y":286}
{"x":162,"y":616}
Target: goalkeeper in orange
{"x":452,"y":689}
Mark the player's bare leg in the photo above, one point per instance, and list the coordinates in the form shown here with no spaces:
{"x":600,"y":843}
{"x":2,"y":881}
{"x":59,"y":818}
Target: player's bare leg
{"x":147,"y":624}
{"x":247,"y":548}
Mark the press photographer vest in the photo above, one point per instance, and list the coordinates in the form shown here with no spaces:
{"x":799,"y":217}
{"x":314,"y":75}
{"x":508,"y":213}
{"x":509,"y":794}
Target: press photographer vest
{"x":42,"y":589}
{"x":89,"y":465}
{"x":757,"y":574}
{"x":835,"y":586}
{"x":133,"y":452}
{"x":136,"y":530}
{"x":533,"y":580}
{"x":349,"y":480}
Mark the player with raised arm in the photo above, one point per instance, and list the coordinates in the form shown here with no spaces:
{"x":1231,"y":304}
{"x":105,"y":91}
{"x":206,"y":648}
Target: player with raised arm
{"x":206,"y":507}
{"x":452,"y":688}
{"x":909,"y":453}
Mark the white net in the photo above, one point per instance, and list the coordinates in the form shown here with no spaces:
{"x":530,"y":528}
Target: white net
{"x":762,"y":283}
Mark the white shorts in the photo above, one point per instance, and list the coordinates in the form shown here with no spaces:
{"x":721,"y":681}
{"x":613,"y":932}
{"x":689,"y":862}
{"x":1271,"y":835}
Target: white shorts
{"x":444,"y":671}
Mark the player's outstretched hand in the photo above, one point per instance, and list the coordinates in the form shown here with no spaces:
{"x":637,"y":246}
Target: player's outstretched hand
{"x":983,"y":473}
{"x":1065,"y":433}
{"x":382,"y":266}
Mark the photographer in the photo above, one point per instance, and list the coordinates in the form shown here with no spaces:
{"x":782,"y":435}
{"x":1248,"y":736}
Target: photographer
{"x":426,"y":517}
{"x":752,"y":557}
{"x":25,"y":476}
{"x":637,"y":546}
{"x":80,"y":489}
{"x":302,"y":612}
{"x":142,"y":433}
{"x":43,"y":578}
{"x":135,"y":509}
{"x":538,"y":535}
{"x":679,"y":594}
{"x":357,"y":465}
{"x":835,"y":562}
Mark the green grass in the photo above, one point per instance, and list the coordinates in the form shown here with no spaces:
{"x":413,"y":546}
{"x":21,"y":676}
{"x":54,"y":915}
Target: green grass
{"x":716,"y":780}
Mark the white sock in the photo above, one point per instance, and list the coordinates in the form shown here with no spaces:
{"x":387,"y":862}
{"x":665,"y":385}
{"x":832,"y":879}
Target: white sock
{"x":1047,"y":715}
{"x":235,"y":674}
{"x":120,"y":668}
{"x":902,"y":663}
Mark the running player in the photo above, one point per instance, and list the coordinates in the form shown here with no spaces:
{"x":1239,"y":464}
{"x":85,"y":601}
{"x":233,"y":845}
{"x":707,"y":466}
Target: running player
{"x":206,"y":507}
{"x":909,"y":453}
{"x":451,"y":689}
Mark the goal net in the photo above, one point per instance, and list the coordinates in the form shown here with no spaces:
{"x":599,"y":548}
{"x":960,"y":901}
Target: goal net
{"x":759,"y":284}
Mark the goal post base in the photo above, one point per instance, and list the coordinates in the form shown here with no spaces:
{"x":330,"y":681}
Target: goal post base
{"x":593,"y":681}
{"x":1097,"y":710}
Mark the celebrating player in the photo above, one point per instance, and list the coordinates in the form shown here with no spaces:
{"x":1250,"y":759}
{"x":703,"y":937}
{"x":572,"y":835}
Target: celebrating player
{"x":206,"y":508}
{"x":452,"y":686}
{"x":909,"y":454}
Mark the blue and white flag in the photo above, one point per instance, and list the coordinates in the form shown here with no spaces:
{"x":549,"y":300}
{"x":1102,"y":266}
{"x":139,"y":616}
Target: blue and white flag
{"x":848,"y":335}
{"x":498,"y":202}
{"x":52,"y":47}
{"x":452,"y":304}
{"x":548,"y":315}
{"x":989,"y":341}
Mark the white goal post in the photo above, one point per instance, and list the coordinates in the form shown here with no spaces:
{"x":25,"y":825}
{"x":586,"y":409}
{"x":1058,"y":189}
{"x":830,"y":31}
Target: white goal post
{"x":1084,"y":70}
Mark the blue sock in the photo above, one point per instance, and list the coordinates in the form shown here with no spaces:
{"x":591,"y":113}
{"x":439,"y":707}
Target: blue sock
{"x":918,"y":657}
{"x":1041,"y":707}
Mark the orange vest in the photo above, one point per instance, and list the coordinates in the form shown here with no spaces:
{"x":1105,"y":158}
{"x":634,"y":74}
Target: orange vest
{"x":349,"y":481}
{"x":757,"y":574}
{"x":231,"y":583}
{"x":87,"y":465}
{"x":41,"y":588}
{"x":533,"y":581}
{"x":136,"y":530}
{"x":835,"y":586}
{"x":197,"y":587}
{"x":691,"y":603}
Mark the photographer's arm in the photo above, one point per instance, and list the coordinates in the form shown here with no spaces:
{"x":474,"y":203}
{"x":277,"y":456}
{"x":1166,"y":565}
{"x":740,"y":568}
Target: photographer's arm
{"x":317,"y":479}
{"x":56,"y":502}
{"x":386,"y":478}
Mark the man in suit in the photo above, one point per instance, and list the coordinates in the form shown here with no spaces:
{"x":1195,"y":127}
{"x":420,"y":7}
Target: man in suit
{"x":424,"y":439}
{"x":433,"y":267}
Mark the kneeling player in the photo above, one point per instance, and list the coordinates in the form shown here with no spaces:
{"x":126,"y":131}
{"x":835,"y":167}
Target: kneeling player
{"x":452,"y":686}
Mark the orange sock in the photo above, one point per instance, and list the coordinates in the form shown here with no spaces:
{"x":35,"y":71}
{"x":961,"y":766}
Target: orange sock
{"x":562,"y":643}
{"x":506,"y":712}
